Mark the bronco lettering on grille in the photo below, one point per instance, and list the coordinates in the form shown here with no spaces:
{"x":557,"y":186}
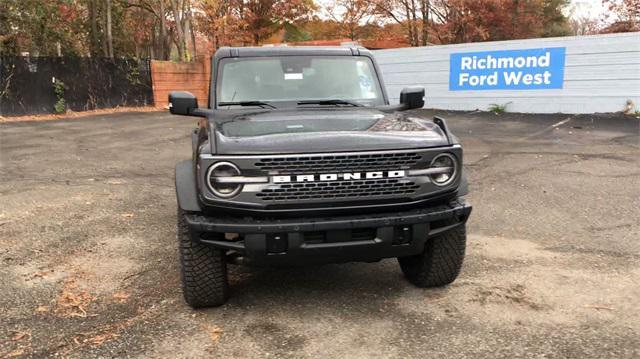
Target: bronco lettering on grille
{"x":338,"y":176}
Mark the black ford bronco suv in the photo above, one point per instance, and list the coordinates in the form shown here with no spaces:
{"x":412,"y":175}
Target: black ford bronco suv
{"x":299,"y":159}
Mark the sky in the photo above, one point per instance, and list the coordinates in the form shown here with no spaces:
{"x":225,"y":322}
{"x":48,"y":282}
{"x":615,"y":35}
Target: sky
{"x":586,"y":9}
{"x":578,"y":8}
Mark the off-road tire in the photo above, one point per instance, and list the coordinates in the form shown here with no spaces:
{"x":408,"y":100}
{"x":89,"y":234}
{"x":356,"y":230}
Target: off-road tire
{"x":440,"y":262}
{"x":203,"y":269}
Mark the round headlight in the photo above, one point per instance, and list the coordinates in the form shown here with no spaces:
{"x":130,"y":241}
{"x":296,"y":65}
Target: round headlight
{"x":445,"y":169}
{"x":223,"y":170}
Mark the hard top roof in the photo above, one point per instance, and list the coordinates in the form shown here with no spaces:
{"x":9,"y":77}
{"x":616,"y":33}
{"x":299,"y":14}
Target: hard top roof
{"x":291,"y":51}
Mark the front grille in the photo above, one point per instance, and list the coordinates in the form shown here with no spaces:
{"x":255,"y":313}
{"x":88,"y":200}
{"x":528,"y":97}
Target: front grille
{"x":360,"y":189}
{"x":333,"y":163}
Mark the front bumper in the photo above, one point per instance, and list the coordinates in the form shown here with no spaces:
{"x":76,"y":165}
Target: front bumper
{"x":336,"y":239}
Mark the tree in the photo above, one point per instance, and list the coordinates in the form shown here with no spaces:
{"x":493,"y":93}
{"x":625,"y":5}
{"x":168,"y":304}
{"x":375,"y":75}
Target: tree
{"x":555,"y":23}
{"x":351,"y":15}
{"x":41,"y":28}
{"x":623,"y":16}
{"x":294,"y":33}
{"x":455,"y":21}
{"x":413,"y":15}
{"x":148,"y":22}
{"x":219,"y":21}
{"x":250,"y":21}
{"x":320,"y":29}
{"x":108,"y":33}
{"x":583,"y":25}
{"x":94,"y":40}
{"x":458,"y":21}
{"x":262,"y":18}
{"x":181,"y":10}
{"x":160,"y":28}
{"x":153,"y":27}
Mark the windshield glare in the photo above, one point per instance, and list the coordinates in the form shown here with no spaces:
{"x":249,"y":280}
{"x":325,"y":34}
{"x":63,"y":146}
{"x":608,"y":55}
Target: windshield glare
{"x":298,"y":78}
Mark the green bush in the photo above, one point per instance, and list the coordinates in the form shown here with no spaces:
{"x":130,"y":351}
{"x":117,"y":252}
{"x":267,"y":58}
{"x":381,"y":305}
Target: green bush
{"x":61,"y":105}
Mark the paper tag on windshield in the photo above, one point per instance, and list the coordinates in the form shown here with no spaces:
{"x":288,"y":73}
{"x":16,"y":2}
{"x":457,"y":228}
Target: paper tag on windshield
{"x":293,"y":76}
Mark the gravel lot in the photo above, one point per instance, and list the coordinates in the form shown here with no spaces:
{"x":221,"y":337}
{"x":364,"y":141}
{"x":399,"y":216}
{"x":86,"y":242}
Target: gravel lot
{"x":89,"y":260}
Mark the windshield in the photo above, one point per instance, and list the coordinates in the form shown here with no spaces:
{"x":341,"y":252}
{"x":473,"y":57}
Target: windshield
{"x":292,"y":79}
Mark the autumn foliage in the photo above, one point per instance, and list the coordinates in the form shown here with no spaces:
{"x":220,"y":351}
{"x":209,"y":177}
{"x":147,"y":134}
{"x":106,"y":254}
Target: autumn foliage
{"x":624,"y":15}
{"x":237,"y":22}
{"x":184,"y":29}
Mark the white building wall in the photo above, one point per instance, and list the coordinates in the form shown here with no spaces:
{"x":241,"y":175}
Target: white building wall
{"x":602,"y":72}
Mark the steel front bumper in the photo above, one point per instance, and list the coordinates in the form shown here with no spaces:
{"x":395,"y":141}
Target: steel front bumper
{"x":328,"y":240}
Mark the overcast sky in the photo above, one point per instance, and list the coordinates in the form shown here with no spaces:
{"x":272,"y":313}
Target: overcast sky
{"x":578,"y":8}
{"x":586,"y":8}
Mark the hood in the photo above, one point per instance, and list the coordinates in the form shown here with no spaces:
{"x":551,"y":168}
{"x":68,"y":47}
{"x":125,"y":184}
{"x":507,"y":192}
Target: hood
{"x":322,"y":130}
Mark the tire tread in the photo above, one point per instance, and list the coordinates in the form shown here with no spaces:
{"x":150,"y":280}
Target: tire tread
{"x":203,"y":270}
{"x":441,"y":261}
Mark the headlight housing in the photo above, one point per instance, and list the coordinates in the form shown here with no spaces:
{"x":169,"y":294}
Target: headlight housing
{"x":223,"y":189}
{"x":444,"y":169}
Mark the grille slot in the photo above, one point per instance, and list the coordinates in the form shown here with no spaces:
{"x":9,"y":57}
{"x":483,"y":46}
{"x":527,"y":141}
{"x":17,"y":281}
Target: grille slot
{"x":314,"y":237}
{"x":363,"y":234}
{"x":353,"y":235}
{"x":331,"y":163}
{"x":338,"y":190}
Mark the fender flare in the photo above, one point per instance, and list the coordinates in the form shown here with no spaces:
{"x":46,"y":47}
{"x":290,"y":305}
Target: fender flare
{"x":186,"y":190}
{"x":463,"y":187}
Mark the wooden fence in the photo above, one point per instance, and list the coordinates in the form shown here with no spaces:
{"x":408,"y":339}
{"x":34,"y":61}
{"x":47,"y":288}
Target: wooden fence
{"x":170,"y":76}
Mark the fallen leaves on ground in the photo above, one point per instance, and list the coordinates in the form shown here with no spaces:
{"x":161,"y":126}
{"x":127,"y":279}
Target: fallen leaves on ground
{"x":42,"y":309}
{"x":121,"y":297}
{"x":214,"y":332}
{"x":19,"y":335}
{"x":73,"y":302}
{"x":99,"y":339}
{"x":14,"y":353}
{"x":72,"y":114}
{"x":38,"y":275}
{"x":105,"y":333}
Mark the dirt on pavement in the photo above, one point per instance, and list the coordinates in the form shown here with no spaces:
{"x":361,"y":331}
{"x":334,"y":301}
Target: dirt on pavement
{"x":89,"y":258}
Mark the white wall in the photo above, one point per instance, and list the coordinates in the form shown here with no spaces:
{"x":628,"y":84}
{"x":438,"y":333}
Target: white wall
{"x":601,"y":73}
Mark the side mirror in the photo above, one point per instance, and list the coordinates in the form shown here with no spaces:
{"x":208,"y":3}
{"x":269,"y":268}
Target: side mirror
{"x":412,"y":97}
{"x":182,"y":103}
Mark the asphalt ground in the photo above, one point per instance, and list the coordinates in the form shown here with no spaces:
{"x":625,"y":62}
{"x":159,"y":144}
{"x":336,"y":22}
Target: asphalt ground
{"x":89,"y":264}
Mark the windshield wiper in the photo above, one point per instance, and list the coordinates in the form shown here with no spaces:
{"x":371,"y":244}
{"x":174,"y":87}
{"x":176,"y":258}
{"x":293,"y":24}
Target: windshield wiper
{"x":330,"y":102}
{"x":247,"y":103}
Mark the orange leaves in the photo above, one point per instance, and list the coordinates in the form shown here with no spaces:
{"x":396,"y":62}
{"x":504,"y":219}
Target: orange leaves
{"x":121,"y":297}
{"x":214,"y":332}
{"x":73,"y":302}
{"x":249,"y":22}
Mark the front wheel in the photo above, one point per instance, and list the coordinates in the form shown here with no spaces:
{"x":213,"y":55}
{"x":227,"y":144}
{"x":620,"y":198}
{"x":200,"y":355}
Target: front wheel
{"x":204,"y":270}
{"x":440,"y":262}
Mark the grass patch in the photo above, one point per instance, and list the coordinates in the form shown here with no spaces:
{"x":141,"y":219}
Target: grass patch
{"x":498,"y":108}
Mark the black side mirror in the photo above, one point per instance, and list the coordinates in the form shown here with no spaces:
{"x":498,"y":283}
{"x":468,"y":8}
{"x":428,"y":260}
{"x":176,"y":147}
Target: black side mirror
{"x":182,"y":103}
{"x":412,"y":97}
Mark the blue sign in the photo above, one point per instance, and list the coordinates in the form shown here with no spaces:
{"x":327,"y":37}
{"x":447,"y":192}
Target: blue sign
{"x":530,"y":69}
